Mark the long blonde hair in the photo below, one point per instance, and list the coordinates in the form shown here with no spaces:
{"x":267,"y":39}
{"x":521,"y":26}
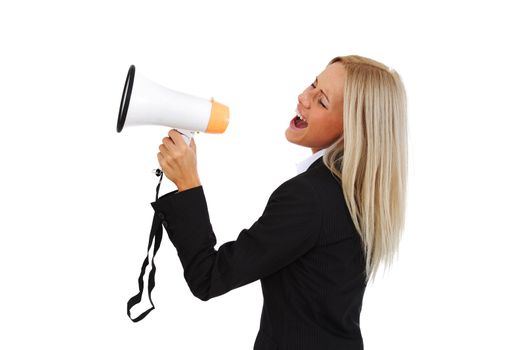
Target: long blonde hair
{"x":370,"y":158}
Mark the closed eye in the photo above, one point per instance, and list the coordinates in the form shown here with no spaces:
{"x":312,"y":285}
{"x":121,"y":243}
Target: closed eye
{"x":320,"y":100}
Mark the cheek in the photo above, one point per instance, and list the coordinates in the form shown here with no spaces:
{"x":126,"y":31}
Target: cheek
{"x":336,"y":125}
{"x":327,"y":124}
{"x":340,"y":124}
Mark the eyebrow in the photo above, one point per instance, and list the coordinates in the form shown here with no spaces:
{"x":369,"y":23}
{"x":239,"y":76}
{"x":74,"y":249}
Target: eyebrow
{"x":325,"y":95}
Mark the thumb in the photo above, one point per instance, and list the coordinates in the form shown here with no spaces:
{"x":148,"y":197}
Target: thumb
{"x":193,"y":146}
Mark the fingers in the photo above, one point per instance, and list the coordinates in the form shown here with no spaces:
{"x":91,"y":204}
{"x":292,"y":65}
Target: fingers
{"x":161,"y":160}
{"x":163,"y":155}
{"x":168,"y":144}
{"x":175,"y":136}
{"x":175,"y":143}
{"x":171,"y":146}
{"x":176,"y":159}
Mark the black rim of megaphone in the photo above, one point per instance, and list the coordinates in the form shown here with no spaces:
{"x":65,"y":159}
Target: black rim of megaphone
{"x":126,"y":96}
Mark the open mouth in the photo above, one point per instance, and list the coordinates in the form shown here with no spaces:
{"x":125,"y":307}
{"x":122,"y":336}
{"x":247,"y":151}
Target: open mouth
{"x":298,"y":123}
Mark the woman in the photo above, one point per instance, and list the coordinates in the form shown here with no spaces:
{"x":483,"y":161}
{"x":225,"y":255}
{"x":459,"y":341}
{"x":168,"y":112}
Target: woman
{"x":323,"y":232}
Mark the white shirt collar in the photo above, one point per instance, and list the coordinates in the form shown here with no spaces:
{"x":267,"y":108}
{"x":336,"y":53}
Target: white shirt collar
{"x":305,"y":164}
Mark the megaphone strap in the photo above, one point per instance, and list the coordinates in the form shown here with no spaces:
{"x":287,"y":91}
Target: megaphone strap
{"x":154,"y":236}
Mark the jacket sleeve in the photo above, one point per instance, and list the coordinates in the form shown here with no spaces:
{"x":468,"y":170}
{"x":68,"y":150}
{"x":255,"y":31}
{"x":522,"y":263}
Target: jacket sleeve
{"x":289,"y":226}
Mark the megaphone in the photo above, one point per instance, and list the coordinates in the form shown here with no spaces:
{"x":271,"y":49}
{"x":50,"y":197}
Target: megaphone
{"x":145,"y":102}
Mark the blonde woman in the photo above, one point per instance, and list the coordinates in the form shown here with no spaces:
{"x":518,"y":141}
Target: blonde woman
{"x":324,"y":232}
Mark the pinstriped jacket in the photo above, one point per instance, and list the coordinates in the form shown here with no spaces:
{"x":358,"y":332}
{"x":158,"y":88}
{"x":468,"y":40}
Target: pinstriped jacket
{"x":304,"y":249}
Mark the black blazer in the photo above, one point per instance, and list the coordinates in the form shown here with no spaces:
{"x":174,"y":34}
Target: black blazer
{"x":304,"y":248}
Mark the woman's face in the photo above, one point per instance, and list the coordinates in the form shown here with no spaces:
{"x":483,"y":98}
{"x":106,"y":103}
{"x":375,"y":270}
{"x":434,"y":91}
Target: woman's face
{"x":321,"y":106}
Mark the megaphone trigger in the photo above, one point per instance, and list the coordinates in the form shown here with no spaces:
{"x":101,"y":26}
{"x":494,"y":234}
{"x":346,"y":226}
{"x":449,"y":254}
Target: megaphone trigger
{"x":187,"y":135}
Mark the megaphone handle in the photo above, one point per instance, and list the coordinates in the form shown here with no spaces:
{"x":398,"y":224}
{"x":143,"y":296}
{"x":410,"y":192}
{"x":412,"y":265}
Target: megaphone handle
{"x":187,"y":135}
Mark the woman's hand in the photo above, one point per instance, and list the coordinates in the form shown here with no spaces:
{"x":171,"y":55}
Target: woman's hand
{"x":179,"y":161}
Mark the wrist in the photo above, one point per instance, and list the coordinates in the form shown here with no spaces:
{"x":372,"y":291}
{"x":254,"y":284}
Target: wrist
{"x":187,"y":186}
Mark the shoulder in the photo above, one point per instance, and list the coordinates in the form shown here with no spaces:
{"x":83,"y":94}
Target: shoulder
{"x":298,"y":188}
{"x":302,"y":190}
{"x":325,"y":189}
{"x":316,"y":185}
{"x":319,"y":178}
{"x":319,"y":190}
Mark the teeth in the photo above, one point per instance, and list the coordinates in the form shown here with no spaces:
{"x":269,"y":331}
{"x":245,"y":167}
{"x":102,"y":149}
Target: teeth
{"x":300,"y":116}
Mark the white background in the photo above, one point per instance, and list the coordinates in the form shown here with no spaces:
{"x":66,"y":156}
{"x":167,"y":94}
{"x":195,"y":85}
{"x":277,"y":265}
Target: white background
{"x":76,"y":195}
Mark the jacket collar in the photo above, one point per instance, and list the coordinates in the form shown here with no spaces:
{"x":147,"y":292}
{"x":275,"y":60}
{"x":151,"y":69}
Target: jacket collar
{"x":306,"y":163}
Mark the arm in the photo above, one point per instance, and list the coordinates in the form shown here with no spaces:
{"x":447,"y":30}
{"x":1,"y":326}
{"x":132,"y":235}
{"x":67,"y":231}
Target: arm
{"x":288,"y":228}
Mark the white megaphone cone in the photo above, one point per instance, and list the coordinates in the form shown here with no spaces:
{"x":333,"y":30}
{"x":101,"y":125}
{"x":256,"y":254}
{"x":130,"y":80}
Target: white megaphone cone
{"x":145,"y":102}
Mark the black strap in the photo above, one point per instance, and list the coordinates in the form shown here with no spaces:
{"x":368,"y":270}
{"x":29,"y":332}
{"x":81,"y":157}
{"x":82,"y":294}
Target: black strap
{"x":155,"y":235}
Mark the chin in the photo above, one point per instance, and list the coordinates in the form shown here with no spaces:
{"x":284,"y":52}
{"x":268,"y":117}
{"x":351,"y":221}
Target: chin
{"x":291,"y":139}
{"x":299,"y":138}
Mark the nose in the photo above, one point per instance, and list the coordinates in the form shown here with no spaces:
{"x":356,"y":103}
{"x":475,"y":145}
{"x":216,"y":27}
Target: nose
{"x":304,"y":99}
